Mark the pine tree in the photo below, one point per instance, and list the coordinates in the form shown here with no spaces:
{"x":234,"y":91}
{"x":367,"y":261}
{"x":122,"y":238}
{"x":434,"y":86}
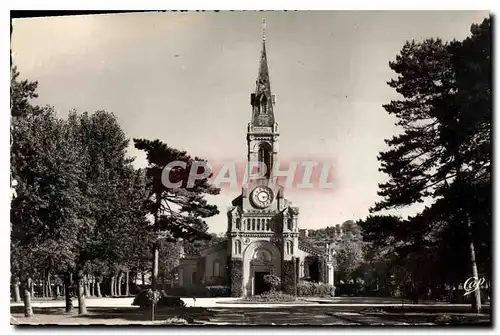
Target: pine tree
{"x":444,"y":151}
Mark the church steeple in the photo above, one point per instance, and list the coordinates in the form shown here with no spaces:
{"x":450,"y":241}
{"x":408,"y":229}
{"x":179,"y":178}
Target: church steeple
{"x":262,"y":100}
{"x":262,"y":135}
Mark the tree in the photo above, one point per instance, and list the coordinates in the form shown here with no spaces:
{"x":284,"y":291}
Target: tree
{"x":177,"y":212}
{"x":120,"y":194}
{"x":444,"y":151}
{"x":196,"y":246}
{"x":50,"y":215}
{"x":21,"y":94}
{"x":349,"y":251}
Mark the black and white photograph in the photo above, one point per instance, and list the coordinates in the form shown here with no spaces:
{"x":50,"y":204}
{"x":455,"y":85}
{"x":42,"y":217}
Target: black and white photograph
{"x":251,"y":168}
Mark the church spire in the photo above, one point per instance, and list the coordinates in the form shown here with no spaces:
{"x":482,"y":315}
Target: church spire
{"x":262,"y":100}
{"x":263,"y":84}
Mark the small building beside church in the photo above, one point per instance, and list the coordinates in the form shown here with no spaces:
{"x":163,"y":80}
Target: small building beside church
{"x":263,"y":225}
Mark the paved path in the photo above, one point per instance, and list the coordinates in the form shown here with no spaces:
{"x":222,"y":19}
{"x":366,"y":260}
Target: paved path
{"x":232,"y":302}
{"x":119,"y":311}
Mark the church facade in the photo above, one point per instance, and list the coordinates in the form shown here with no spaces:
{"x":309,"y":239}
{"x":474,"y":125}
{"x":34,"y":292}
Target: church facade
{"x":263,"y":234}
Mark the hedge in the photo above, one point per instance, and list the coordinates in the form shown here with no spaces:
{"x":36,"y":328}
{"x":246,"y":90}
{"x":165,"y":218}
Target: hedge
{"x":289,"y":278}
{"x":271,"y":296}
{"x":309,"y":289}
{"x":236,"y":268}
{"x":200,"y":291}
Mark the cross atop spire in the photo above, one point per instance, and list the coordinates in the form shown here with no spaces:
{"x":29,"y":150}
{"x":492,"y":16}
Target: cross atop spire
{"x":263,"y":30}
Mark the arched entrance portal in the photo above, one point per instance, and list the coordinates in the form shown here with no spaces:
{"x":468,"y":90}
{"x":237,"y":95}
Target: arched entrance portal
{"x":261,"y":258}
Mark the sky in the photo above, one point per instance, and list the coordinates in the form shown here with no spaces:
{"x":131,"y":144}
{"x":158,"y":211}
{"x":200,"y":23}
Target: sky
{"x":186,"y":79}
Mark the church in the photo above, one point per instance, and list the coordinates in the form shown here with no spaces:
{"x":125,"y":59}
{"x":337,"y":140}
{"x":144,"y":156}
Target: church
{"x":263,"y":235}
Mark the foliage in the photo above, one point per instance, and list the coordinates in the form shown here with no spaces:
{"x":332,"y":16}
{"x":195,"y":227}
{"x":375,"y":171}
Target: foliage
{"x":174,"y":321}
{"x":200,"y":291}
{"x":273,"y":281}
{"x":443,"y":155}
{"x":75,"y":188}
{"x":144,"y":299}
{"x":51,"y":215}
{"x":177,"y":212}
{"x":21,"y":94}
{"x":289,"y":277}
{"x":196,"y":246}
{"x":216,"y":281}
{"x":169,"y":259}
{"x":219,"y":291}
{"x":351,"y":289}
{"x":271,"y":296}
{"x":346,"y":240}
{"x":332,"y":234}
{"x":153,"y":296}
{"x":309,"y":289}
{"x":236,"y":270}
{"x":119,"y":197}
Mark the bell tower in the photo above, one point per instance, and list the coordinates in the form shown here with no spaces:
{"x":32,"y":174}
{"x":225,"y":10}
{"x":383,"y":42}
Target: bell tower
{"x":262,"y":224}
{"x":262,"y":132}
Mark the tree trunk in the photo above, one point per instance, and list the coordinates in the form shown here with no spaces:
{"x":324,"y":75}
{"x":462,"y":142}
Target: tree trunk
{"x":58,"y":291}
{"x":98,"y":288}
{"x":49,"y":286}
{"x":119,"y":284}
{"x":154,"y":274}
{"x":476,"y":303}
{"x":44,"y":286}
{"x":113,"y":286}
{"x":143,"y":279}
{"x":28,"y":309}
{"x":67,"y":292}
{"x":32,"y":288}
{"x":91,"y":286}
{"x":127,"y":286}
{"x":85,"y":284}
{"x":80,"y":287}
{"x":17,"y":294}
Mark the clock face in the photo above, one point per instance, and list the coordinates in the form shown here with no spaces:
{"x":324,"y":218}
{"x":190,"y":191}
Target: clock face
{"x":262,"y":196}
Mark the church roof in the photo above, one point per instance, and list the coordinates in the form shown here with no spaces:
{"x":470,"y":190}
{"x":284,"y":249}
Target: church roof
{"x":215,"y":247}
{"x":238,"y":201}
{"x":303,"y":245}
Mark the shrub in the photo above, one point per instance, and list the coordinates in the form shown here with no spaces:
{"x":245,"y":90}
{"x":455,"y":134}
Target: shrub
{"x":200,"y":291}
{"x":174,"y":321}
{"x":309,"y":289}
{"x":271,"y":296}
{"x":348,"y":289}
{"x":273,"y":281}
{"x":143,"y":300}
{"x":216,"y":281}
{"x":218,"y":291}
